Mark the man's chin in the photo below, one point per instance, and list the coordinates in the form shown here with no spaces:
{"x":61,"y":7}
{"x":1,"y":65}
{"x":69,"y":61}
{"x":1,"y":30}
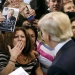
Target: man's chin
{"x":55,"y":9}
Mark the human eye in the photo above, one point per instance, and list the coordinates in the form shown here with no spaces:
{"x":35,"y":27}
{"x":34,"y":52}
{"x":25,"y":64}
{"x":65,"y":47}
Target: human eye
{"x":16,"y":36}
{"x":69,"y":8}
{"x":32,"y":35}
{"x":22,"y":36}
{"x":73,"y":27}
{"x":53,"y":0}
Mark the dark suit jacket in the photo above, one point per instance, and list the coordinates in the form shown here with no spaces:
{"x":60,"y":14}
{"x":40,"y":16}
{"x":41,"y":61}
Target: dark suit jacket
{"x":8,"y":25}
{"x":64,"y":64}
{"x":12,"y":18}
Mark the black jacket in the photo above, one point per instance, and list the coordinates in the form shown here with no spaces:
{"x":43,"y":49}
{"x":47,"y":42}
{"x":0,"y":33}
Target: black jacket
{"x":64,"y":64}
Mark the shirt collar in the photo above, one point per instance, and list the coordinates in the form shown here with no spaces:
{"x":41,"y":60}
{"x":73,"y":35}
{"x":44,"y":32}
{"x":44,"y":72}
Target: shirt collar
{"x":59,"y":45}
{"x":7,"y":17}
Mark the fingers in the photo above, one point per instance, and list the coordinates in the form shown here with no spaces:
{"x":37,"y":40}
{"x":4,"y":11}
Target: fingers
{"x":9,"y":48}
{"x":36,"y":53}
{"x":16,"y":51}
{"x":32,"y":12}
{"x":20,"y":45}
{"x":21,"y":9}
{"x":2,"y":18}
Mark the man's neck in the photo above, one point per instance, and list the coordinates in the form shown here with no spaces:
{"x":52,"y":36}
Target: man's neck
{"x":52,"y":44}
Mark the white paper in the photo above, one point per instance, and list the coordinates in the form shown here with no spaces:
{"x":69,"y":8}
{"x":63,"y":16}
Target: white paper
{"x":19,"y":71}
{"x":27,"y":1}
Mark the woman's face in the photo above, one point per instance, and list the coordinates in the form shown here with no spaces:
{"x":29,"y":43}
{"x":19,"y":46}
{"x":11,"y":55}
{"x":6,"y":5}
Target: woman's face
{"x":19,"y":36}
{"x":32,"y":35}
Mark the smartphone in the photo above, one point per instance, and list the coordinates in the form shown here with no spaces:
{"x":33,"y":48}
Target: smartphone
{"x":31,"y":17}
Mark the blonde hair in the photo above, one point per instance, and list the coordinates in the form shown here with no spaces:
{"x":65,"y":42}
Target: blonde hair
{"x":11,"y":10}
{"x":58,"y":25}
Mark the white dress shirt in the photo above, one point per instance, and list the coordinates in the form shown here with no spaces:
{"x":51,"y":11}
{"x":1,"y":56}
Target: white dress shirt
{"x":59,"y":45}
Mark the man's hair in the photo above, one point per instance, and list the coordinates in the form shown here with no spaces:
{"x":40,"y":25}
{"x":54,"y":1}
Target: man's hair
{"x":72,"y":19}
{"x":11,"y":10}
{"x":58,"y":25}
{"x":69,"y":1}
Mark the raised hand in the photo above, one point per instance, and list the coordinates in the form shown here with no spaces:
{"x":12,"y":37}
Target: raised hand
{"x":16,"y":51}
{"x":2,"y":18}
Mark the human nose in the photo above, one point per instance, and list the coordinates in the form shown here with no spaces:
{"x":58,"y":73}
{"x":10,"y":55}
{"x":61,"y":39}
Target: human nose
{"x":72,"y":9}
{"x":73,"y":30}
{"x":19,"y":38}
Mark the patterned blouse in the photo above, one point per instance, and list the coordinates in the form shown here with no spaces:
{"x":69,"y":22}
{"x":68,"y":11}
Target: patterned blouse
{"x":4,"y":59}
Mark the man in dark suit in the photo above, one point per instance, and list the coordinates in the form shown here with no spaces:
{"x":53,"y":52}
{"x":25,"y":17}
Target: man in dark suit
{"x":10,"y":14}
{"x":57,"y":33}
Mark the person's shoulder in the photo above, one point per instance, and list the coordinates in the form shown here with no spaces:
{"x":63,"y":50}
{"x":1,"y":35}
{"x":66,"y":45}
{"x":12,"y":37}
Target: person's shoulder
{"x":3,"y":55}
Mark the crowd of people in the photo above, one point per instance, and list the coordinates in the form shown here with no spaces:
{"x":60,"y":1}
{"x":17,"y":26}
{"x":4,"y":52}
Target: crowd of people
{"x":43,"y":40}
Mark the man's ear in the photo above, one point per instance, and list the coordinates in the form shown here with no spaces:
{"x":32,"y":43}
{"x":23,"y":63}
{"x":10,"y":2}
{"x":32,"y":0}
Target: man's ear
{"x":49,"y":38}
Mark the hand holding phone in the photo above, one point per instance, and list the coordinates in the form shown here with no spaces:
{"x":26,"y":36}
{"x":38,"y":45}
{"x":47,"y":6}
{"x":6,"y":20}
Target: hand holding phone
{"x":30,"y":12}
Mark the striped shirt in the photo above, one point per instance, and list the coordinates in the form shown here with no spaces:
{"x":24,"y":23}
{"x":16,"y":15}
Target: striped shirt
{"x":46,"y":55}
{"x":4,"y":59}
